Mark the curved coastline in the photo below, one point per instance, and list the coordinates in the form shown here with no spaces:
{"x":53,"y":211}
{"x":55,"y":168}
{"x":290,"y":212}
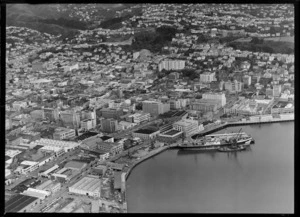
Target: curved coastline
{"x":226,"y":125}
{"x":145,"y":158}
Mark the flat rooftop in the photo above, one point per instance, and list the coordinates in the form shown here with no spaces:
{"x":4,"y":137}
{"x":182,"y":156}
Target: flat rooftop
{"x":171,"y":132}
{"x":86,"y":135}
{"x":105,"y":137}
{"x":18,"y":202}
{"x":145,"y":131}
{"x":281,"y":104}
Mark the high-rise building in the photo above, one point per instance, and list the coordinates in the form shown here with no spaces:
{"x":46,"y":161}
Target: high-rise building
{"x":171,"y":65}
{"x":109,"y":125}
{"x":155,"y":108}
{"x":215,"y":96}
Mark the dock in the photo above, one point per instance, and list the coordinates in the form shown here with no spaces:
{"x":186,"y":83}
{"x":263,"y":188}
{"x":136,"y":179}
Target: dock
{"x":240,"y":123}
{"x":202,"y":133}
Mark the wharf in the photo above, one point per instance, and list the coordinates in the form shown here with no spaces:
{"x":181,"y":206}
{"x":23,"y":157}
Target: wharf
{"x":203,"y":133}
{"x":239,"y":123}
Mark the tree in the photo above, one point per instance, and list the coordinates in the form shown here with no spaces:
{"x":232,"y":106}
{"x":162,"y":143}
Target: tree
{"x":256,"y":40}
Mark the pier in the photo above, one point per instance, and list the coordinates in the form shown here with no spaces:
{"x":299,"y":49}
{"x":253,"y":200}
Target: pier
{"x":238,"y":123}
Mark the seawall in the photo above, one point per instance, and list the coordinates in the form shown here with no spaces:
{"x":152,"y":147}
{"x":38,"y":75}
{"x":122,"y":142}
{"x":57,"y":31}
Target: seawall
{"x":145,"y":158}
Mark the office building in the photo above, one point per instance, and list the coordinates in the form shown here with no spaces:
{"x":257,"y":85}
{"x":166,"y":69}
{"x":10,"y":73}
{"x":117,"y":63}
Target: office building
{"x":155,"y":108}
{"x":207,"y":77}
{"x":63,"y":133}
{"x":206,"y":105}
{"x":87,"y":124}
{"x":109,"y":125}
{"x":114,"y":113}
{"x":171,"y":65}
{"x":234,"y":86}
{"x":51,"y":114}
{"x":70,"y":118}
{"x":220,"y":97}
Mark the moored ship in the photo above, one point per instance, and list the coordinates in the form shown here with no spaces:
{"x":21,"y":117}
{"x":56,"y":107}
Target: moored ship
{"x":216,"y":141}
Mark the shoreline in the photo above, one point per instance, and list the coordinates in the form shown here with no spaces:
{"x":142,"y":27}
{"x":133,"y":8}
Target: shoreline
{"x":164,"y":148}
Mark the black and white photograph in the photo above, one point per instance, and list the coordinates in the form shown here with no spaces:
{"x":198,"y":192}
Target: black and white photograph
{"x":149,"y":107}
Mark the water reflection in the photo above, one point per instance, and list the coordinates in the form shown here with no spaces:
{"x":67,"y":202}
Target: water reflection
{"x":211,"y":153}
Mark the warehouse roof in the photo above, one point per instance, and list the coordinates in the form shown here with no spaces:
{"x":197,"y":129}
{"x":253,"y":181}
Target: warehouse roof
{"x":88,"y":184}
{"x":75,"y":165}
{"x":145,"y":131}
{"x":19,"y":202}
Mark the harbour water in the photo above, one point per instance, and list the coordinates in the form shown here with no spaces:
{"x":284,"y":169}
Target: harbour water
{"x":259,"y":180}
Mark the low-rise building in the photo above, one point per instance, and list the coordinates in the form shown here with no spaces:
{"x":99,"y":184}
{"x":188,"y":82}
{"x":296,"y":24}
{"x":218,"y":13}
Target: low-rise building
{"x":206,"y":105}
{"x":88,"y":187}
{"x":41,"y":194}
{"x":65,"y":145}
{"x":21,"y":203}
{"x":124,"y":125}
{"x":169,"y":136}
{"x":63,"y":133}
{"x":138,"y":117}
{"x":75,"y":165}
{"x":111,"y":147}
{"x":187,"y":126}
{"x":145,"y":134}
{"x":50,"y":186}
{"x":28,"y":166}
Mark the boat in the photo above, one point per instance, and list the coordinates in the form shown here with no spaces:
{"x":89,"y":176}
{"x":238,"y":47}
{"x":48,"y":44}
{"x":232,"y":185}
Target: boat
{"x":232,"y":148}
{"x":216,"y":141}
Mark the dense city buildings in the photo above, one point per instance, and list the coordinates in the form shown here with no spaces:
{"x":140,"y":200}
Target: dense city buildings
{"x":102,"y":87}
